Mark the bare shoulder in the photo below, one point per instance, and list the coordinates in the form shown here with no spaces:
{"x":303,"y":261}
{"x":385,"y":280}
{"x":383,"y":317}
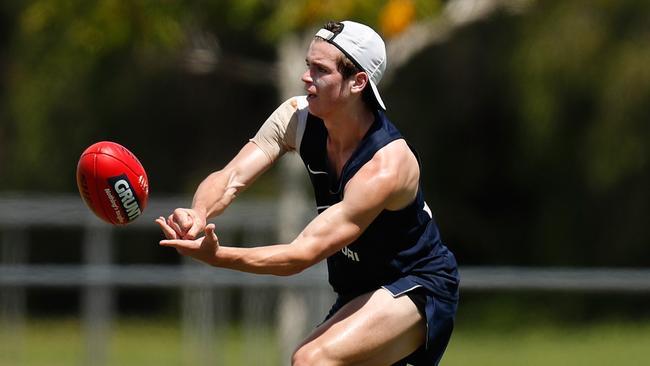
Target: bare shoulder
{"x":393,"y":172}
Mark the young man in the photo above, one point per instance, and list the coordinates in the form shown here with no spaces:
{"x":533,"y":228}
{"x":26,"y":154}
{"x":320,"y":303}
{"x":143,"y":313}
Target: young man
{"x":397,"y":283}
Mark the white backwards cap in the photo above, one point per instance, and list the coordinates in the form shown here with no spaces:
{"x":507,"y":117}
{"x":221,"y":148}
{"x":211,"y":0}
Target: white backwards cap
{"x":364,"y":47}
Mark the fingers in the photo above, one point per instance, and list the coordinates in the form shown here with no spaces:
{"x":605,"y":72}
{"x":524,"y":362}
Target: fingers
{"x":180,"y":244}
{"x":173,"y":239}
{"x":171,"y":222}
{"x":183,"y":218}
{"x":186,"y":223}
{"x":195,"y":229}
{"x":203,"y":249}
{"x":169,"y":232}
{"x":180,"y":230}
{"x":209,"y":233}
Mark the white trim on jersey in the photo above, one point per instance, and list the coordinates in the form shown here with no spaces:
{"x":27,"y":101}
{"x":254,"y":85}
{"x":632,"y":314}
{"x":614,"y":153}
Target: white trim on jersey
{"x":427,"y":209}
{"x":315,"y":172}
{"x":302,"y":119}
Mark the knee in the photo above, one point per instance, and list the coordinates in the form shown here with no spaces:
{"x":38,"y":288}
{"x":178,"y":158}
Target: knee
{"x":309,"y":355}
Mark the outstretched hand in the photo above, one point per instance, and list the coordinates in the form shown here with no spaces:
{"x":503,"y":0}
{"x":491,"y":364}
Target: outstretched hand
{"x":187,"y":223}
{"x":203,"y":249}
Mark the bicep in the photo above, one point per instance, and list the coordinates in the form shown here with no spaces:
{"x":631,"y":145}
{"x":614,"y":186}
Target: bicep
{"x":387,"y":182}
{"x":341,"y":224}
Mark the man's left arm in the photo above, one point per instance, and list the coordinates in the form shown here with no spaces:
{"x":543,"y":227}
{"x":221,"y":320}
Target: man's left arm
{"x":377,"y":185}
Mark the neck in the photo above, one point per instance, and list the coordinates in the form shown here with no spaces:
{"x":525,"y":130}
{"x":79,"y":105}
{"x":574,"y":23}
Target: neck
{"x":348,"y":127}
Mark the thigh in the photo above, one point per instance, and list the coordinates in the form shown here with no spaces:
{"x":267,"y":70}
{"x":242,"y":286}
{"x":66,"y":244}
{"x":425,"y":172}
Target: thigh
{"x":372,"y":329}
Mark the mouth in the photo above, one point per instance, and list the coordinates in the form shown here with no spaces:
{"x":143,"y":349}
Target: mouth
{"x":310,"y":94}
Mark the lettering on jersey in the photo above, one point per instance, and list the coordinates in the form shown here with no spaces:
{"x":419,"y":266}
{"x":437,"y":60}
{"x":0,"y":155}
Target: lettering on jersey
{"x":128,"y":200}
{"x":351,"y":254}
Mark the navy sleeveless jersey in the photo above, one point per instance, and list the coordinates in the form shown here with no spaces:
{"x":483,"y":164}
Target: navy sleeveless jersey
{"x":398,"y":245}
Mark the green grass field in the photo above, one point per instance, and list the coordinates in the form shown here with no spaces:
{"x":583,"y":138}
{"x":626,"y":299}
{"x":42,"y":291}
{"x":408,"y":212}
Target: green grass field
{"x":140,"y":342}
{"x":600,"y":344}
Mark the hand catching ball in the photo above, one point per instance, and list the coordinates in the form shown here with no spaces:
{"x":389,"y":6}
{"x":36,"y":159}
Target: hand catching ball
{"x":112,"y":182}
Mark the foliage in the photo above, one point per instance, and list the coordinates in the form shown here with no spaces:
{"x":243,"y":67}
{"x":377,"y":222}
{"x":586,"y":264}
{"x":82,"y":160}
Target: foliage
{"x":536,"y":132}
{"x":72,"y":65}
{"x":390,"y":17}
{"x":593,"y":68}
{"x":61,"y":53}
{"x":583,"y":93}
{"x":533,"y":127}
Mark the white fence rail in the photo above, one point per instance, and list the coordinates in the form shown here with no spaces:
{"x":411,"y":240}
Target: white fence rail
{"x":473,"y":278}
{"x":98,"y":276}
{"x":301,"y":299}
{"x":18,"y":213}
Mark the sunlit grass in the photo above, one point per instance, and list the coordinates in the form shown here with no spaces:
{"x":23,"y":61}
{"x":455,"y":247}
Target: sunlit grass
{"x":134,"y":342}
{"x":160,"y":342}
{"x":600,"y":344}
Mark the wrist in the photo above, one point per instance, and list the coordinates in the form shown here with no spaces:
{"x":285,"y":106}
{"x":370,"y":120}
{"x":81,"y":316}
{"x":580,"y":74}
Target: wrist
{"x":201,"y":212}
{"x":220,"y":258}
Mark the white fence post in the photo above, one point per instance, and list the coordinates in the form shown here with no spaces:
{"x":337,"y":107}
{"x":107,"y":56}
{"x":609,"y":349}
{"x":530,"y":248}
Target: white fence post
{"x":14,"y":248}
{"x":198,"y":320}
{"x":256,"y":315}
{"x":292,"y":208}
{"x":97,"y":296}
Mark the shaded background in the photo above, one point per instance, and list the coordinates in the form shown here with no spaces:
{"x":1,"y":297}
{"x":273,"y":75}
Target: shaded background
{"x":531,"y":120}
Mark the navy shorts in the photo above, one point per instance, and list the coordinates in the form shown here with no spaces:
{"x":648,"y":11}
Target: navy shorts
{"x":439,"y":315}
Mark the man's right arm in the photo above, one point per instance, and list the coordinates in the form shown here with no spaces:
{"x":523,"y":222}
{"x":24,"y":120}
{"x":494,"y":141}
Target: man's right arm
{"x":219,"y":189}
{"x":274,"y":138}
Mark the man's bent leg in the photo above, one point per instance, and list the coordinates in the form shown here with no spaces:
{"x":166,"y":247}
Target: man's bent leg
{"x":372,"y":329}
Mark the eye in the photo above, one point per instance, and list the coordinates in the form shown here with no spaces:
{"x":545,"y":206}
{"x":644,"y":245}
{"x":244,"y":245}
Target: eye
{"x":317,"y":67}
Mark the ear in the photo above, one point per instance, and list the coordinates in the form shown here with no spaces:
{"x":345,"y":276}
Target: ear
{"x":359,"y":82}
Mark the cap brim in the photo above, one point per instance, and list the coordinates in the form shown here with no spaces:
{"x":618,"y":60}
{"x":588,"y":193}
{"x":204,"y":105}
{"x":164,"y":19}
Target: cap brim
{"x":375,"y":91}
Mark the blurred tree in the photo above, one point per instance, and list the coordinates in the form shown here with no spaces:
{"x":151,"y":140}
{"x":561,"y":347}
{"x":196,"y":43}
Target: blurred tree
{"x":75,"y":69}
{"x":583,"y":92}
{"x":60,"y":52}
{"x":533,"y":128}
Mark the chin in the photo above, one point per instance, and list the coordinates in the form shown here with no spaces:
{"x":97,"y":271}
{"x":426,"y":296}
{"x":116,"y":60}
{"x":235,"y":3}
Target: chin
{"x":313,"y":108}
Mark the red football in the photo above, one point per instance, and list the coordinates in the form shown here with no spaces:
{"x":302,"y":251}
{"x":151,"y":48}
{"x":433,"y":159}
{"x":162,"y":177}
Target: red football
{"x":112,"y":182}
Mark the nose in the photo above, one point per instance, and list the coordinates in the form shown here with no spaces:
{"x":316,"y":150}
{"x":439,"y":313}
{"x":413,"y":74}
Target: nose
{"x":306,"y":77}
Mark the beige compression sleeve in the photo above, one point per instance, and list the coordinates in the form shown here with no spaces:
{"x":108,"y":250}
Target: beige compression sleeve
{"x":278,"y":133}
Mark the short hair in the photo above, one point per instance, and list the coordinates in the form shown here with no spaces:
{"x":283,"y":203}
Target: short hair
{"x":346,"y":67}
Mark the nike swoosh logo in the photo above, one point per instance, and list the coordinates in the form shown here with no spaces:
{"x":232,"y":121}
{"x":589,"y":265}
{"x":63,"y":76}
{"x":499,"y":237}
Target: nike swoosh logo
{"x":315,"y":171}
